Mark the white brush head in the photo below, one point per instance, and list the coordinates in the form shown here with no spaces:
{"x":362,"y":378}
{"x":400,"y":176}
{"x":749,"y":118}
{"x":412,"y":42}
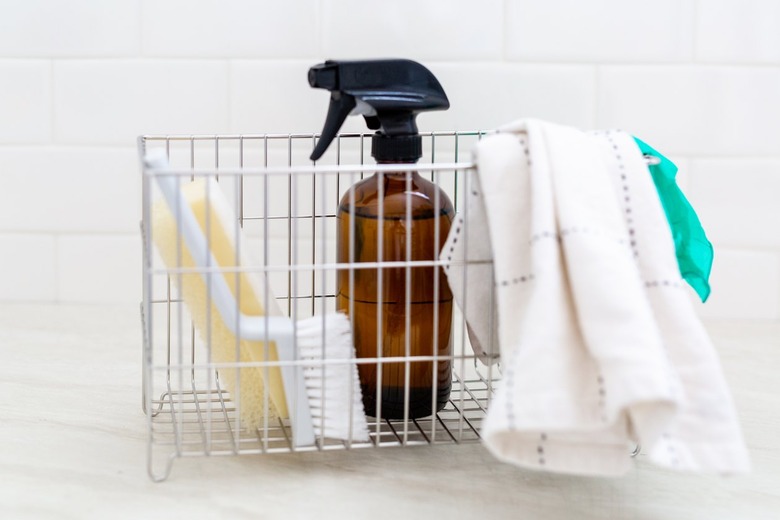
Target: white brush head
{"x":333,"y":388}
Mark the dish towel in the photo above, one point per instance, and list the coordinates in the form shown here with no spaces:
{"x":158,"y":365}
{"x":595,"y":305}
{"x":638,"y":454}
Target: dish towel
{"x":599,"y":343}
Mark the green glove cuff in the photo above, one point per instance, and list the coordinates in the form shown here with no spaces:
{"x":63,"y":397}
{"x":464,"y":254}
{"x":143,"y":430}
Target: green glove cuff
{"x":694,"y":251}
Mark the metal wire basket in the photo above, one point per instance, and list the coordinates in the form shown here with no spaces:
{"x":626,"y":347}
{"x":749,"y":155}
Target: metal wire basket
{"x":287,"y":208}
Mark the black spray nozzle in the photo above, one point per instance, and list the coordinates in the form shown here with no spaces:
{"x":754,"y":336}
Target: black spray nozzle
{"x":387,"y":93}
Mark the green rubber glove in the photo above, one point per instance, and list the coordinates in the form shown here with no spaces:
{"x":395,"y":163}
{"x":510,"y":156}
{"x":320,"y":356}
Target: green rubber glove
{"x":694,"y":251}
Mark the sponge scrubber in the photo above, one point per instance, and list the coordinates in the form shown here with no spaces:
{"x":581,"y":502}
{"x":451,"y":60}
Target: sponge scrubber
{"x":216,"y":220}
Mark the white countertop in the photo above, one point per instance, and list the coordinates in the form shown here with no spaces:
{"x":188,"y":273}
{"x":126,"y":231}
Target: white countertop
{"x":73,"y":443}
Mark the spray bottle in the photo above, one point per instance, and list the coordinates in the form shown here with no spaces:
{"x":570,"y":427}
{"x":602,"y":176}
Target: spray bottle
{"x":403,"y":311}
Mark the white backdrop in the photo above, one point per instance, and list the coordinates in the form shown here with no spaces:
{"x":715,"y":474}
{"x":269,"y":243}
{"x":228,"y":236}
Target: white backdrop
{"x":79,"y":80}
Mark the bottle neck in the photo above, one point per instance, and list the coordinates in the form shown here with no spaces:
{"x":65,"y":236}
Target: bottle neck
{"x":399,"y":175}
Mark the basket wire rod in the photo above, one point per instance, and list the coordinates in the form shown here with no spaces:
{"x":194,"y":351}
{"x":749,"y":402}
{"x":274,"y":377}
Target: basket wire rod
{"x":164,"y":397}
{"x":234,"y":438}
{"x":147,"y":403}
{"x":408,"y":305}
{"x":313,"y":231}
{"x":283,"y":136}
{"x":208,"y":398}
{"x":455,"y":180}
{"x":209,"y":328}
{"x":293,"y":171}
{"x":351,"y":391}
{"x":262,"y":438}
{"x":147,"y":298}
{"x":323,"y":289}
{"x":179,"y":323}
{"x":192,"y":326}
{"x":351,"y":244}
{"x":318,"y":362}
{"x":491,"y":339}
{"x":202,"y":427}
{"x":287,"y":437}
{"x":395,"y":432}
{"x":445,"y":428}
{"x":421,"y":430}
{"x":168,"y":320}
{"x":466,"y":230}
{"x":462,"y":419}
{"x":379,"y":297}
{"x":298,"y":400}
{"x":324,"y":266}
{"x":362,"y":154}
{"x":433,"y":154}
{"x":266,"y":306}
{"x":471,"y":393}
{"x":240,"y":183}
{"x":436,"y":291}
{"x":290,"y":214}
{"x":166,"y":471}
{"x":216,"y":157}
{"x":147,"y":320}
{"x":338,"y":174}
{"x":321,"y":439}
{"x":299,"y":217}
{"x":237,"y":225}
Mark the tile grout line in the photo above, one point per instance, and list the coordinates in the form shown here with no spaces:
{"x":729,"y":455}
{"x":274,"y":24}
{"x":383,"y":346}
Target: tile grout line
{"x":319,"y":28}
{"x":56,"y":259}
{"x":596,"y":95}
{"x":141,"y":11}
{"x":504,"y":32}
{"x":53,"y":104}
{"x":229,"y":94}
{"x":521,"y":61}
{"x":695,"y":33}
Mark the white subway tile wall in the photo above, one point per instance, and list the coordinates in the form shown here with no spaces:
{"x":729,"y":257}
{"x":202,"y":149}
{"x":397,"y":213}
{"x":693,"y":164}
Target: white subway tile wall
{"x":746,"y":31}
{"x":98,"y":268}
{"x":28,"y":264}
{"x":236,"y":28}
{"x":600,"y":30}
{"x":79,"y":80}
{"x":67,"y":189}
{"x":446,"y":30}
{"x":739,"y":200}
{"x":25,"y":101}
{"x":695,"y":109}
{"x":739,"y":285}
{"x":113,"y":101}
{"x":72,"y":29}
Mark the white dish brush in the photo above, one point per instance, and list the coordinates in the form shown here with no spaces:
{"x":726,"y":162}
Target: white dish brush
{"x":334,"y":407}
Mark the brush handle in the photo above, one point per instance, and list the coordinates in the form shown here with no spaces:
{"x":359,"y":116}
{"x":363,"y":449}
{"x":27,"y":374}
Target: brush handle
{"x":280,"y":330}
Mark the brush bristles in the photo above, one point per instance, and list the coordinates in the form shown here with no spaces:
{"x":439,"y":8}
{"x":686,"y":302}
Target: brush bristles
{"x":333,"y":390}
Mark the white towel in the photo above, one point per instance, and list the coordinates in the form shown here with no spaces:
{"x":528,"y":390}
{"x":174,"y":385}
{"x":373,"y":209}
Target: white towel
{"x":600,"y":346}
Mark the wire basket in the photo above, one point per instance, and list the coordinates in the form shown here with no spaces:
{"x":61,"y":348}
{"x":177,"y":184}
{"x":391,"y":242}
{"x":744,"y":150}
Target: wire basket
{"x":287,"y":209}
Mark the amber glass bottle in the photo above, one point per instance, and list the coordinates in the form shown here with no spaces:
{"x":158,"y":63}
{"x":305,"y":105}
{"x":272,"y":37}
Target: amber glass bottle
{"x":398,"y":312}
{"x":427,"y":327}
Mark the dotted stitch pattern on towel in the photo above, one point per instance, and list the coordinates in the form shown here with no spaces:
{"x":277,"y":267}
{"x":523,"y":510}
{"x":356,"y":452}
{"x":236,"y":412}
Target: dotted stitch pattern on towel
{"x":458,"y":227}
{"x":665,"y":283}
{"x":510,"y":382}
{"x":626,"y":194}
{"x":540,"y":448}
{"x":629,"y":218}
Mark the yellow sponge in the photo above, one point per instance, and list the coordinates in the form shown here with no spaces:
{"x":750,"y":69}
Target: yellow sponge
{"x":221,"y":231}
